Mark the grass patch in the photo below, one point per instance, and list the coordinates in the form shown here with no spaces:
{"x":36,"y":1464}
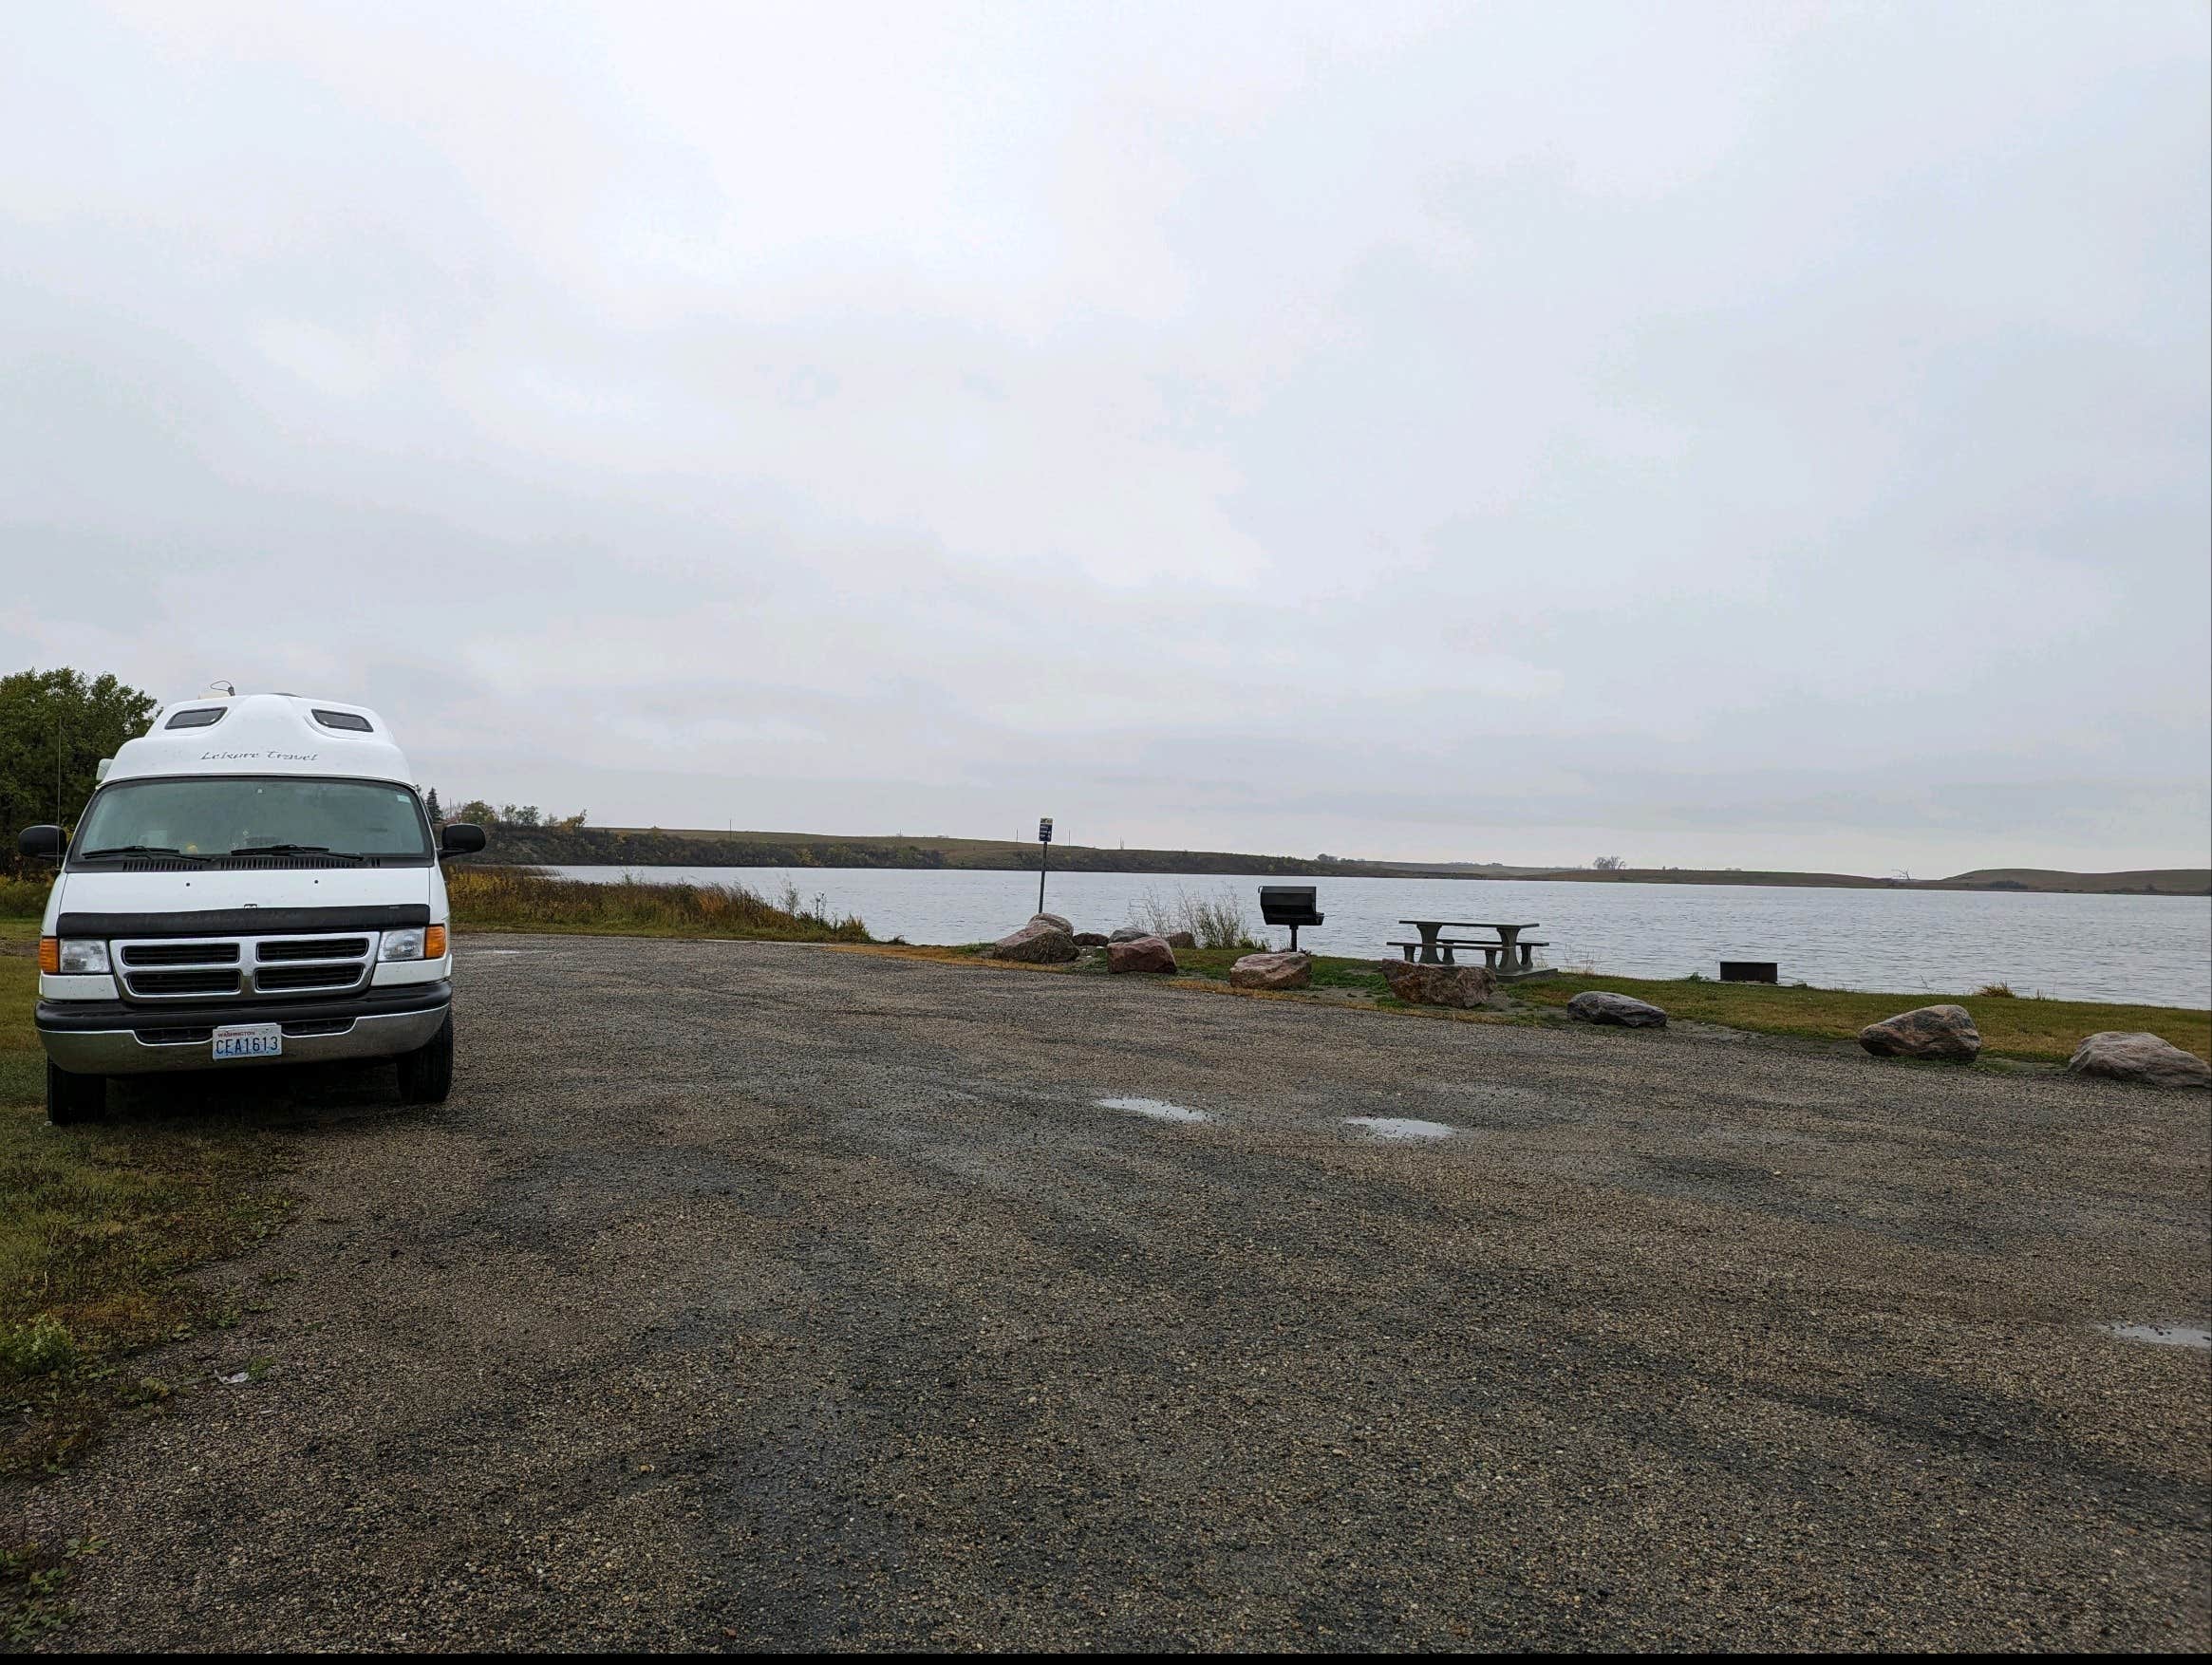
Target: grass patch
{"x":2037,"y":1030}
{"x":96,"y":1223}
{"x":2012,"y":1025}
{"x":525,"y":899}
{"x":1329,"y":972}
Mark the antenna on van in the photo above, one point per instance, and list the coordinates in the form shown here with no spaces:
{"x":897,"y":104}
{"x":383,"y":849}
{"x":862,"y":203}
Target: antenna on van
{"x":229,"y":690}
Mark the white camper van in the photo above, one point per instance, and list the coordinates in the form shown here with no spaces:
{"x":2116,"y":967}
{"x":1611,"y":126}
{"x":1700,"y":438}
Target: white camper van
{"x":254,"y":882}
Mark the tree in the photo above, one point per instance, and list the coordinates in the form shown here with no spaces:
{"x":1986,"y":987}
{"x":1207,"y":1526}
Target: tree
{"x":55,"y":727}
{"x":476,"y":813}
{"x":1611,"y":864}
{"x":520,"y":814}
{"x":430,"y":804}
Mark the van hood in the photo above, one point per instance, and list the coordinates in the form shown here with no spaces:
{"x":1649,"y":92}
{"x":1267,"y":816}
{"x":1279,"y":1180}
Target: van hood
{"x":204,"y":892}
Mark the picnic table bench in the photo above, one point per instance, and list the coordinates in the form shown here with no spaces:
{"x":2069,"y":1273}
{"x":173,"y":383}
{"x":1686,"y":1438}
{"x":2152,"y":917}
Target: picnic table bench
{"x":1507,"y":951}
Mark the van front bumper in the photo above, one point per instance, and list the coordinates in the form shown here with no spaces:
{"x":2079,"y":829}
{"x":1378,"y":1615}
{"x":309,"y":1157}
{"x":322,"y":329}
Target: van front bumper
{"x":109,"y":1038}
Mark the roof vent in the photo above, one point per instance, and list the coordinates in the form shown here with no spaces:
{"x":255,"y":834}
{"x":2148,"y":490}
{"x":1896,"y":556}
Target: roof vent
{"x":346,"y":719}
{"x":201,"y":717}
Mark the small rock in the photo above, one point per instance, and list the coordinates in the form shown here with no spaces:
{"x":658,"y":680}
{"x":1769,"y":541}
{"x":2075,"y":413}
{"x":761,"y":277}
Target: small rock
{"x":1278,"y":970}
{"x":1090,"y":939}
{"x":1181,"y":940}
{"x":1437,"y":985}
{"x":1039,"y":943}
{"x":1129,"y":934}
{"x":1597,"y":1006}
{"x":1140,"y":954}
{"x":1054,"y":920}
{"x":2120,"y":1056}
{"x":1926,"y":1032}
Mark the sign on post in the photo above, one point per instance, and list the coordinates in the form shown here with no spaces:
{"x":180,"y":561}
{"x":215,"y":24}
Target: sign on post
{"x":1043,"y":856}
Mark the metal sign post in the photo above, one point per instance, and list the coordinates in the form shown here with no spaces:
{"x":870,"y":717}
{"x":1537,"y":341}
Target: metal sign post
{"x":1043,"y":856}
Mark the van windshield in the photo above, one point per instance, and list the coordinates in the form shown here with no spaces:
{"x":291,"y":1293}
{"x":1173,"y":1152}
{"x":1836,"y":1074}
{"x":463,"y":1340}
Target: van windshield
{"x":246,"y":815}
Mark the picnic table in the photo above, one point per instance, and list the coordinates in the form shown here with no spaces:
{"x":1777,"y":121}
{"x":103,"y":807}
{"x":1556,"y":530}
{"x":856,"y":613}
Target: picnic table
{"x":1436,"y":949}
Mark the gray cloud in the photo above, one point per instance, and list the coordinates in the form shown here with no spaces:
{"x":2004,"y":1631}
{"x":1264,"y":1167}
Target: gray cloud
{"x":1735,"y":434}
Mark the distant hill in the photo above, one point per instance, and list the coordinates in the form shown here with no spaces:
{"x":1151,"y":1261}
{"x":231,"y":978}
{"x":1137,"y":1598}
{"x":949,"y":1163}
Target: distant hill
{"x":644,"y":847}
{"x":664,"y":847}
{"x":2146,"y":882}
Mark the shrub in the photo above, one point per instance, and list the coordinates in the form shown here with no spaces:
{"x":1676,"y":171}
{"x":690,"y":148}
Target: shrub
{"x":1995,"y":991}
{"x":24,"y":898}
{"x":1217,"y":921}
{"x":39,"y":1348}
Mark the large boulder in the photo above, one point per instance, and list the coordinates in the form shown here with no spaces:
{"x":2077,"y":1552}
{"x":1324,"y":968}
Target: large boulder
{"x":1181,"y":940}
{"x":2120,"y":1056}
{"x":1039,"y":943}
{"x":1140,"y":954}
{"x":1926,"y":1032}
{"x":1090,"y":939}
{"x":1437,"y":985}
{"x":1597,"y":1006}
{"x":1055,"y":920}
{"x":1278,"y":970}
{"x":1129,"y":934}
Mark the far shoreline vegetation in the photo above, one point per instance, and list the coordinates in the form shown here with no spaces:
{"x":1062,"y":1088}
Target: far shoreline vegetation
{"x":572,"y":843}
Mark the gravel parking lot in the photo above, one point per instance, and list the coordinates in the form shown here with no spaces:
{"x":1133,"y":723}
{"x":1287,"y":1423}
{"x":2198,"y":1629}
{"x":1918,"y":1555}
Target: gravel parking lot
{"x":748,"y":1296}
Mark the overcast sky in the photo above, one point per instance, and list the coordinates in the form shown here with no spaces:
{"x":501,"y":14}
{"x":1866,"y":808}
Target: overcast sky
{"x":1719,"y":435}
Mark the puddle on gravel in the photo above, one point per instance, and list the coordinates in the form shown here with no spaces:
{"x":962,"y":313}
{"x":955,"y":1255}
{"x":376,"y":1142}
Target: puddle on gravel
{"x":1398,"y":1127}
{"x":2163,"y":1335}
{"x":1158,"y":1109}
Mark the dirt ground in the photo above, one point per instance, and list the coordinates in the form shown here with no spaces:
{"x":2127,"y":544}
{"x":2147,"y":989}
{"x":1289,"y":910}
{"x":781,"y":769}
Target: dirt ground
{"x":762,"y":1296}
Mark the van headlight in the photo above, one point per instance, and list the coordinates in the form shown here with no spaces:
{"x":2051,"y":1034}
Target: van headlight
{"x":83,"y":958}
{"x":406,"y":944}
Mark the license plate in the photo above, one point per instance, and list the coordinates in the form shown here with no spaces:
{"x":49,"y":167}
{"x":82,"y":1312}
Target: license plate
{"x":249,"y":1041}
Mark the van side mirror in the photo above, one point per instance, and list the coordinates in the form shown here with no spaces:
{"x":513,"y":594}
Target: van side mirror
{"x":40,"y":843}
{"x":455,"y":838}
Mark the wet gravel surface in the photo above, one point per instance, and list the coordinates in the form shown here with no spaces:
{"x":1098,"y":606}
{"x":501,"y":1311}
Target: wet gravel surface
{"x":762,"y":1296}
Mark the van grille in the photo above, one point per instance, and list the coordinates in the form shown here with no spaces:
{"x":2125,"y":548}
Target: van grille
{"x":180,"y":954}
{"x":223,"y":967}
{"x":276,"y":948}
{"x":171,"y":984}
{"x":286,"y":979}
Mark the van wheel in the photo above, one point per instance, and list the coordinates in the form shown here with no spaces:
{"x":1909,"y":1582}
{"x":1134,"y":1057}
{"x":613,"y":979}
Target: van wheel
{"x":72,"y":1099}
{"x":426,"y":1074}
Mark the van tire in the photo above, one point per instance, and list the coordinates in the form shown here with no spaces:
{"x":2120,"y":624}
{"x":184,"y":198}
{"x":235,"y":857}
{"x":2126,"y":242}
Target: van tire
{"x":426,"y":1074}
{"x":72,"y":1099}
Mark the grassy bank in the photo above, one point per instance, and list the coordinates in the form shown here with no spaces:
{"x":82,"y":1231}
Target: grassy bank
{"x":2042,"y":1031}
{"x":2032,"y":1030}
{"x":522,"y":899}
{"x":95,"y":1225}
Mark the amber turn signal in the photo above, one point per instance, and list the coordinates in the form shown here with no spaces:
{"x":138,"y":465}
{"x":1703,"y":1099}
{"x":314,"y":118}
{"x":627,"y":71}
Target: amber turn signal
{"x":49,"y":956}
{"x":434,"y":942}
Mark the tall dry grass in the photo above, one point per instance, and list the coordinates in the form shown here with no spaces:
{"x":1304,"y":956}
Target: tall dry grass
{"x":530,"y":899}
{"x":1218,"y":921}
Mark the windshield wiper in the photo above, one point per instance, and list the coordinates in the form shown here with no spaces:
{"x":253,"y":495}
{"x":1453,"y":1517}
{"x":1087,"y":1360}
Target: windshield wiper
{"x":294,"y":849}
{"x":139,"y":850}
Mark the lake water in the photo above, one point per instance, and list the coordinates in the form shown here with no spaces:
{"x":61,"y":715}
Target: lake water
{"x":2156,"y":949}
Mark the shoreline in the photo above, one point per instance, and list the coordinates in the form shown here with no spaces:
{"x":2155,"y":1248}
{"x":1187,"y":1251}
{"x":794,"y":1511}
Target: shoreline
{"x":652,"y":846}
